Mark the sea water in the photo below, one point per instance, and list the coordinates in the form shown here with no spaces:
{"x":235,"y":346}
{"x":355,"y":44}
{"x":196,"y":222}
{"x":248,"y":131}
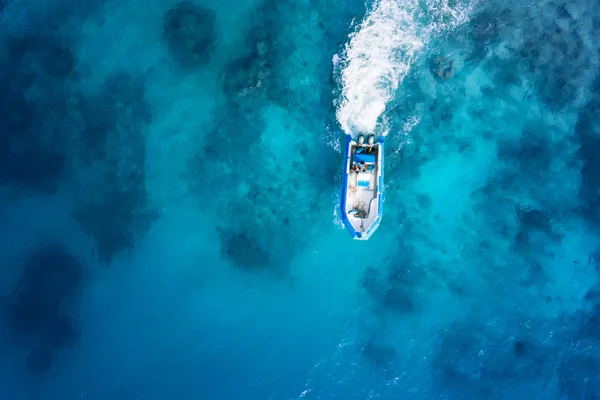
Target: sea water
{"x":169,"y":186}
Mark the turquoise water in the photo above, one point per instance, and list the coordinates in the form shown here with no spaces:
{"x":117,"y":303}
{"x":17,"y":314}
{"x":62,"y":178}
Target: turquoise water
{"x":169,"y":184}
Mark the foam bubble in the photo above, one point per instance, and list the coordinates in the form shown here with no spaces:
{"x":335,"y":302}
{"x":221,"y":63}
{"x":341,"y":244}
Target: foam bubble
{"x":380,"y":53}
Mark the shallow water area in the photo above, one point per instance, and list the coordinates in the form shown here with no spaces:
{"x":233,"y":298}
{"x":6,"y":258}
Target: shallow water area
{"x":169,"y":190}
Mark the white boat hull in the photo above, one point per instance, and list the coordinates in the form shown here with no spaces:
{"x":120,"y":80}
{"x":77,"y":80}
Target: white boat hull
{"x":362,"y":187}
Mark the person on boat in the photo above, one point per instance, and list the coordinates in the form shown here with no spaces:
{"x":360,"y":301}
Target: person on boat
{"x":355,"y":167}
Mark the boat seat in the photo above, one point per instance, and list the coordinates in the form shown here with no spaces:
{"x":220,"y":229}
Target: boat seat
{"x":366,"y":158}
{"x":363,"y":179}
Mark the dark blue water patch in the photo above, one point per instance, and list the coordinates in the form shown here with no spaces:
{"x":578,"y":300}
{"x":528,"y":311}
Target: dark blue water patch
{"x":533,"y":274}
{"x":533,"y":219}
{"x":506,"y":74}
{"x":392,"y":285}
{"x":563,"y":13}
{"x":578,"y":377}
{"x":534,"y":248}
{"x":559,"y":87}
{"x":403,"y":278}
{"x":33,"y":134}
{"x":245,"y":251}
{"x":522,"y":348}
{"x":246,"y":79}
{"x":15,"y":113}
{"x":485,"y":28}
{"x":41,"y":308}
{"x":190,"y":32}
{"x":475,"y":361}
{"x":250,"y":78}
{"x":16,"y":117}
{"x":118,"y":114}
{"x":271,"y":22}
{"x":33,"y":169}
{"x":381,"y":355}
{"x":250,"y":243}
{"x":32,"y":152}
{"x":586,"y":320}
{"x":531,"y":153}
{"x":553,"y":57}
{"x":118,"y":219}
{"x":577,"y":359}
{"x":594,"y":260}
{"x":588,"y":136}
{"x":50,"y":52}
{"x":259,"y":75}
{"x":441,"y":67}
{"x":239,"y":133}
{"x":558,"y":77}
{"x":116,"y":119}
{"x":455,"y":364}
{"x":442,"y":113}
{"x":374,"y":283}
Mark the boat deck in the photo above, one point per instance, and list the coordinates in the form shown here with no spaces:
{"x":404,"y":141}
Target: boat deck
{"x":362,"y":202}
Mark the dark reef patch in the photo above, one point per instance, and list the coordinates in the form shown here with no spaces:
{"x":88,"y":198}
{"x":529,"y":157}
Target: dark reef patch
{"x":594,"y":260}
{"x":15,"y":113}
{"x":393,"y":289}
{"x":485,"y":30}
{"x":578,"y":377}
{"x":382,"y":356}
{"x":373,"y":283}
{"x":42,"y":306}
{"x":557,"y":59}
{"x":116,"y":219}
{"x":24,"y":158}
{"x":532,"y":219}
{"x":532,"y":275}
{"x":441,"y":67}
{"x":551,"y":54}
{"x":33,"y":110}
{"x":118,"y":211}
{"x":587,"y":133}
{"x":475,"y":361}
{"x":50,"y":53}
{"x":521,"y":348}
{"x":587,"y":318}
{"x":239,"y":134}
{"x":532,"y":153}
{"x":247,"y":79}
{"x":245,"y":251}
{"x":114,"y":117}
{"x":239,"y":158}
{"x":48,"y":129}
{"x":190,"y":32}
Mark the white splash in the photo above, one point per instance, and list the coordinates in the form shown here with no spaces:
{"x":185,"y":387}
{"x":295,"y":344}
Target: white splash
{"x":380,"y":53}
{"x":410,"y":123}
{"x":331,"y":138}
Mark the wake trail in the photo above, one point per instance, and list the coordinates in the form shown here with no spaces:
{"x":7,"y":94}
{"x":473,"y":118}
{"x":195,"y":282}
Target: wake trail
{"x":379,"y":55}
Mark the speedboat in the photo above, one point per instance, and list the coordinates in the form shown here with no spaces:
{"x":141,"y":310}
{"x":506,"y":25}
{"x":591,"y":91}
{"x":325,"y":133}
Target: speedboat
{"x":362,"y":187}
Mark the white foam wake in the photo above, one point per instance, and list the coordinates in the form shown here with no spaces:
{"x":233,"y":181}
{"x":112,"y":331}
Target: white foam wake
{"x":380,"y":53}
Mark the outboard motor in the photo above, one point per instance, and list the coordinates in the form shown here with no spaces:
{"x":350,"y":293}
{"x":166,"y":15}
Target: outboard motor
{"x":361,"y":140}
{"x":371,"y":139}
